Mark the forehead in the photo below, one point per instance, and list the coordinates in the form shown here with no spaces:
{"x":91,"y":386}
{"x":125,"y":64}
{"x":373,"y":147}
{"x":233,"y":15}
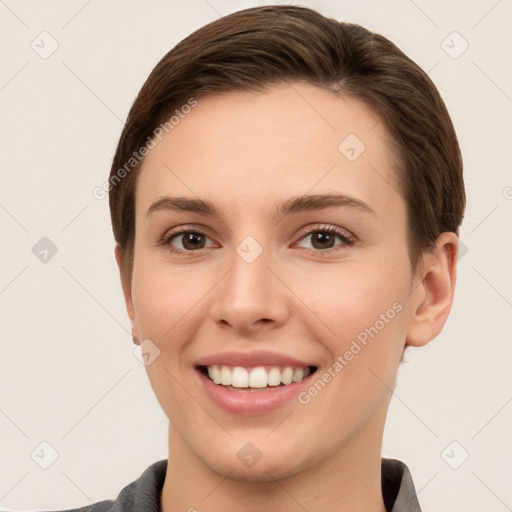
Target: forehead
{"x":253,"y":146}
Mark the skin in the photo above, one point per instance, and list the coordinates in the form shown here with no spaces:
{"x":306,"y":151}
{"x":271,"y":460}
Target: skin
{"x":247,"y":152}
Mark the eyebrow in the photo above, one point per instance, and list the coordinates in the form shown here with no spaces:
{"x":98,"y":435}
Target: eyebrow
{"x":292,"y":205}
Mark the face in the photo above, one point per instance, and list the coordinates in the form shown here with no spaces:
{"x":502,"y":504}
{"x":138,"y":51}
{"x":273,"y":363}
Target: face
{"x":290,"y":257}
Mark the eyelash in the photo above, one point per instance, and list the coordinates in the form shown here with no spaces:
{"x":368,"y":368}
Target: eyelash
{"x":346,"y":239}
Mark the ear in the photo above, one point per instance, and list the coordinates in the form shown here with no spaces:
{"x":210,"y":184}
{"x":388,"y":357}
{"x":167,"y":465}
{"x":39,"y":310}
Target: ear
{"x":434,"y":289}
{"x":127,"y":290}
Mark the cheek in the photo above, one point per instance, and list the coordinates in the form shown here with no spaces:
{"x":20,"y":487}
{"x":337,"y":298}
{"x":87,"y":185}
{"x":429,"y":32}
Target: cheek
{"x":155,"y":305}
{"x":350,"y":299}
{"x":366,"y":314}
{"x":168,"y":301}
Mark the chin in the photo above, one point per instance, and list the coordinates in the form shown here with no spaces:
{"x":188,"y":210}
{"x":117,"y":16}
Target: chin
{"x":249,"y":464}
{"x":261,"y":472}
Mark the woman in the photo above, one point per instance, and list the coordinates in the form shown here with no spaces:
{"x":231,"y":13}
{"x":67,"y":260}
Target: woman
{"x":286,"y":197}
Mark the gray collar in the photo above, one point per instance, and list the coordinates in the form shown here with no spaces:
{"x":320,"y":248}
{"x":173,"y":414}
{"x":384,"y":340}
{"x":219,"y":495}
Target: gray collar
{"x":398,"y":488}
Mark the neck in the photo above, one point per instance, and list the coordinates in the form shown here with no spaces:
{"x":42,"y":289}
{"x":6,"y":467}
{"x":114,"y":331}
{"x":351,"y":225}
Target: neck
{"x":348,"y":480}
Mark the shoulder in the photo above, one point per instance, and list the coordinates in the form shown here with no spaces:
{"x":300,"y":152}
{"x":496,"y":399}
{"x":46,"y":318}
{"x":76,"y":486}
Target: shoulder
{"x":142,"y":495}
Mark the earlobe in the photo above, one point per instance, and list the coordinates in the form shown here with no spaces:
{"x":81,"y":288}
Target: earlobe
{"x":127,"y":290}
{"x":435,"y":286}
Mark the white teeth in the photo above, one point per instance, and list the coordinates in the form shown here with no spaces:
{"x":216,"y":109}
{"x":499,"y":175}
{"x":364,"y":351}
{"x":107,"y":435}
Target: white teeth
{"x":239,"y":377}
{"x":258,"y":377}
{"x":298,"y":375}
{"x":287,"y":376}
{"x":214,"y":374}
{"x":274,"y":377}
{"x":225,"y":376}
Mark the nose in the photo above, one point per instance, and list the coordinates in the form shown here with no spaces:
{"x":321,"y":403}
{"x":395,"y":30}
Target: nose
{"x":251,"y":298}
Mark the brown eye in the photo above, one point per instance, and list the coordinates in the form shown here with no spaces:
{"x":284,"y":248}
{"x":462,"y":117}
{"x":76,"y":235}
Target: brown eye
{"x":186,"y":241}
{"x":328,"y":239}
{"x":191,"y":241}
{"x":322,"y":239}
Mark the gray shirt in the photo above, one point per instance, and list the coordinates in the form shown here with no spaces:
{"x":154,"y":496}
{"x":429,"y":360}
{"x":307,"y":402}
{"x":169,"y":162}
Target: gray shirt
{"x":143,"y":495}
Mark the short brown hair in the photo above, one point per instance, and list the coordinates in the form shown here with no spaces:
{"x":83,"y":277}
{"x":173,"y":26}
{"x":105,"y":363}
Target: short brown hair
{"x":256,"y":48}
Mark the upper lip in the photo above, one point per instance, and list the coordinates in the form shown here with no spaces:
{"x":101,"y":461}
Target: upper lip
{"x":250,"y":359}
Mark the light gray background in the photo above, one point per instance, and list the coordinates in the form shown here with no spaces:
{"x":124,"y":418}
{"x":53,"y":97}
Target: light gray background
{"x":68,"y":375}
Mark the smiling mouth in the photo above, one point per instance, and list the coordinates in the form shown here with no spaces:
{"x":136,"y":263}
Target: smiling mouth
{"x":259,"y":378}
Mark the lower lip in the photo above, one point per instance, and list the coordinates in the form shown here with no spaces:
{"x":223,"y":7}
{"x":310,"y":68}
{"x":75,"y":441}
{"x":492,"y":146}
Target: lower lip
{"x":251,"y":402}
